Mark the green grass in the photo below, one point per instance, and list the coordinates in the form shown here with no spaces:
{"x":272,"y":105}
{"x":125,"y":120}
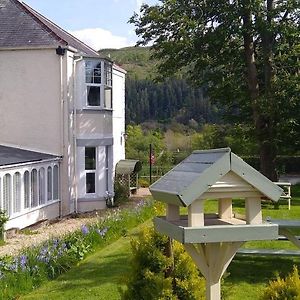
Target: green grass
{"x":102,"y":275}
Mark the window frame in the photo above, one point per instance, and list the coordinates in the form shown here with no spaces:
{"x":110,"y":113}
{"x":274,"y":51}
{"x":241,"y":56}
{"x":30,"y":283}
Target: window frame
{"x":105,"y":84}
{"x":90,"y":171}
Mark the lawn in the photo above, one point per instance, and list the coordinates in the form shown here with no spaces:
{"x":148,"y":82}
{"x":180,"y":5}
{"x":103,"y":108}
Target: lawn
{"x":102,"y":274}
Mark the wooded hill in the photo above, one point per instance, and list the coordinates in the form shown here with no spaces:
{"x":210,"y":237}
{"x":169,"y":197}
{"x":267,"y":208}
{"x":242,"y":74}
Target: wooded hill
{"x":171,"y":100}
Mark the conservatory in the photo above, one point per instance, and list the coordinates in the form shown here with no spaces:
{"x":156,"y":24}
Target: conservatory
{"x":29,"y":186}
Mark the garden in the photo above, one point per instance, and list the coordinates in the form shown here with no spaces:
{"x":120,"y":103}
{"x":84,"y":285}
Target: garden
{"x":101,"y":260}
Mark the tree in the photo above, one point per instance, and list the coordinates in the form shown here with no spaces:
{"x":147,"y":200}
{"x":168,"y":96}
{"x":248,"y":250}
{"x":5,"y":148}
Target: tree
{"x":246,"y":52}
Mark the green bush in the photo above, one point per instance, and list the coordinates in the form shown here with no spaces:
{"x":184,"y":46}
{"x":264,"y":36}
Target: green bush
{"x":121,"y":194}
{"x":155,"y":275}
{"x":283,"y":288}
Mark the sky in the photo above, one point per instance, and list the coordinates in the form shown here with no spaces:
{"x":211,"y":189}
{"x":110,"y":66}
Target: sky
{"x":98,"y":23}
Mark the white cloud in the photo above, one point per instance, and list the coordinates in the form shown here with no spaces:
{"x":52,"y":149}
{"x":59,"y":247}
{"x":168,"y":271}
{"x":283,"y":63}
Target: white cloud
{"x":99,"y":38}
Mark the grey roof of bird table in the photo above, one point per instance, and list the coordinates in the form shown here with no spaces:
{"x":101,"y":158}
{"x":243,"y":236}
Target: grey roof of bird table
{"x":201,"y":170}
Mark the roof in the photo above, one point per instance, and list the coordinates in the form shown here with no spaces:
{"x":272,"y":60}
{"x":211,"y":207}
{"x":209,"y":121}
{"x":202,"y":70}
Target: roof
{"x":201,"y":170}
{"x":12,"y":156}
{"x":22,"y":26}
{"x":128,"y":166}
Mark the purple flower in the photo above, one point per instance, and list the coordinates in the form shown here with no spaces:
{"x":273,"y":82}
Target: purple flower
{"x":23,"y":262}
{"x":102,"y":232}
{"x":84,"y":229}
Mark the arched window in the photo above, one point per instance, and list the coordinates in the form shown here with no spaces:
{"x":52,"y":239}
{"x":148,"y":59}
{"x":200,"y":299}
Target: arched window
{"x":17,"y":192}
{"x":26,"y":190}
{"x":34,"y":188}
{"x":55,"y":182}
{"x":42,"y":186}
{"x":7,"y":193}
{"x":49,"y":184}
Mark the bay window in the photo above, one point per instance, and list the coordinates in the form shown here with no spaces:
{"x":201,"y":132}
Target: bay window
{"x":98,"y":80}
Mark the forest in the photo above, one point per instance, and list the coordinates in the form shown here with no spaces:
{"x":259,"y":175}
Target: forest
{"x":178,"y":117}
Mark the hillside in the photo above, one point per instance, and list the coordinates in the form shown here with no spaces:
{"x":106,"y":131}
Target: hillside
{"x":171,"y":101}
{"x":135,"y":60}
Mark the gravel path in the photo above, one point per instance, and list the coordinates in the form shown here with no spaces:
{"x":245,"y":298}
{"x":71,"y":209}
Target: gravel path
{"x":44,"y":231}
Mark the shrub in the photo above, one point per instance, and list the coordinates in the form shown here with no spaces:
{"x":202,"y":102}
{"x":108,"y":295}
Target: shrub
{"x":121,"y":194}
{"x":283,"y":289}
{"x":155,"y":275}
{"x":3,"y":219}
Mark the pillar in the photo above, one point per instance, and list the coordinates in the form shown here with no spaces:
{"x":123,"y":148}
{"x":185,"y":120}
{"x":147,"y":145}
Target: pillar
{"x":172,"y":213}
{"x":196,"y":213}
{"x":253,"y":211}
{"x":225,"y":208}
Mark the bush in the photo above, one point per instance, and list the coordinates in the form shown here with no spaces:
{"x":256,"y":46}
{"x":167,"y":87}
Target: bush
{"x":121,"y":194}
{"x":283,"y":289}
{"x":155,"y":275}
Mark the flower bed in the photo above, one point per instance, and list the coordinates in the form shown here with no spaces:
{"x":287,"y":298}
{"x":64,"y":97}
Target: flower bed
{"x":36,"y":265}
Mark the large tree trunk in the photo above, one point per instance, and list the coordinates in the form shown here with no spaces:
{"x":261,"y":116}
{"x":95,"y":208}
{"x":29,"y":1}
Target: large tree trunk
{"x":264,"y":125}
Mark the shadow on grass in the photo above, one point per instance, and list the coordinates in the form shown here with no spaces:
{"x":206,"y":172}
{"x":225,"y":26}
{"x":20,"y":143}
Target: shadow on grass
{"x":255,"y":269}
{"x":110,"y":269}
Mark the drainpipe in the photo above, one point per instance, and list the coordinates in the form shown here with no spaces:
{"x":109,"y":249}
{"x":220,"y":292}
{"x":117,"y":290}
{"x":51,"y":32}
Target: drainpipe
{"x":75,"y":61}
{"x":61,"y":52}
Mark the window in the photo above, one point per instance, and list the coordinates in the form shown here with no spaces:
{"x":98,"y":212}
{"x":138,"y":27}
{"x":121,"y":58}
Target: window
{"x":42,"y":186}
{"x":55,"y":183}
{"x":34,"y":188}
{"x":98,"y":79}
{"x":90,"y":170}
{"x":49,"y":184}
{"x":7,"y":193}
{"x":17,"y":192}
{"x":26,"y":190}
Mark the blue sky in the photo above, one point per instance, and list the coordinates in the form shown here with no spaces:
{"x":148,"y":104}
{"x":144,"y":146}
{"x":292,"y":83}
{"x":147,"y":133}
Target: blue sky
{"x":99,"y":23}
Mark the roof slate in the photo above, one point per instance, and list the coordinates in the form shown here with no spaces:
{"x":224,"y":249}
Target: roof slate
{"x":12,"y":156}
{"x":202,"y":169}
{"x":22,"y":26}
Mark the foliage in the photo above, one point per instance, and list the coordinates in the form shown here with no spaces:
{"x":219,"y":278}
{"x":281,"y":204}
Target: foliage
{"x":245,"y":53}
{"x":121,"y":193}
{"x":283,"y":288}
{"x":138,"y":145}
{"x":171,"y":100}
{"x":36,"y":265}
{"x":153,"y":274}
{"x":236,"y":137}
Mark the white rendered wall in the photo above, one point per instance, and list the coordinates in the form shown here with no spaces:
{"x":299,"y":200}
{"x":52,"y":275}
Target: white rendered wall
{"x":29,"y":100}
{"x":118,"y":116}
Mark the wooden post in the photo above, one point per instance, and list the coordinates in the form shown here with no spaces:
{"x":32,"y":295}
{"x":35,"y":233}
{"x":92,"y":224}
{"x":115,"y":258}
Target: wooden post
{"x":196,"y":213}
{"x":172,"y":212}
{"x":213,"y":259}
{"x":225,"y":208}
{"x":253,"y":211}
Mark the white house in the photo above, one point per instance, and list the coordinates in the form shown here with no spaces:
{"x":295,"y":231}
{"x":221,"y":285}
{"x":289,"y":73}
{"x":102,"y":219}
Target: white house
{"x":62,"y":119}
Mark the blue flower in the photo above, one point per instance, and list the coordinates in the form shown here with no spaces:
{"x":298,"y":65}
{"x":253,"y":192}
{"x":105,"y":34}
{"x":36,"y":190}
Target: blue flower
{"x":84,"y":229}
{"x":23,"y":262}
{"x":102,"y":232}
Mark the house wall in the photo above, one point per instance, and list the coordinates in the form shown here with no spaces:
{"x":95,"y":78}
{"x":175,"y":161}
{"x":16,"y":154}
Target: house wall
{"x":118,"y":116}
{"x":100,"y":128}
{"x":29,"y":91}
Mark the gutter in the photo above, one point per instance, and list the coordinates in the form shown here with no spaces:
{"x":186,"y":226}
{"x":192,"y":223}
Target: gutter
{"x":75,"y":61}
